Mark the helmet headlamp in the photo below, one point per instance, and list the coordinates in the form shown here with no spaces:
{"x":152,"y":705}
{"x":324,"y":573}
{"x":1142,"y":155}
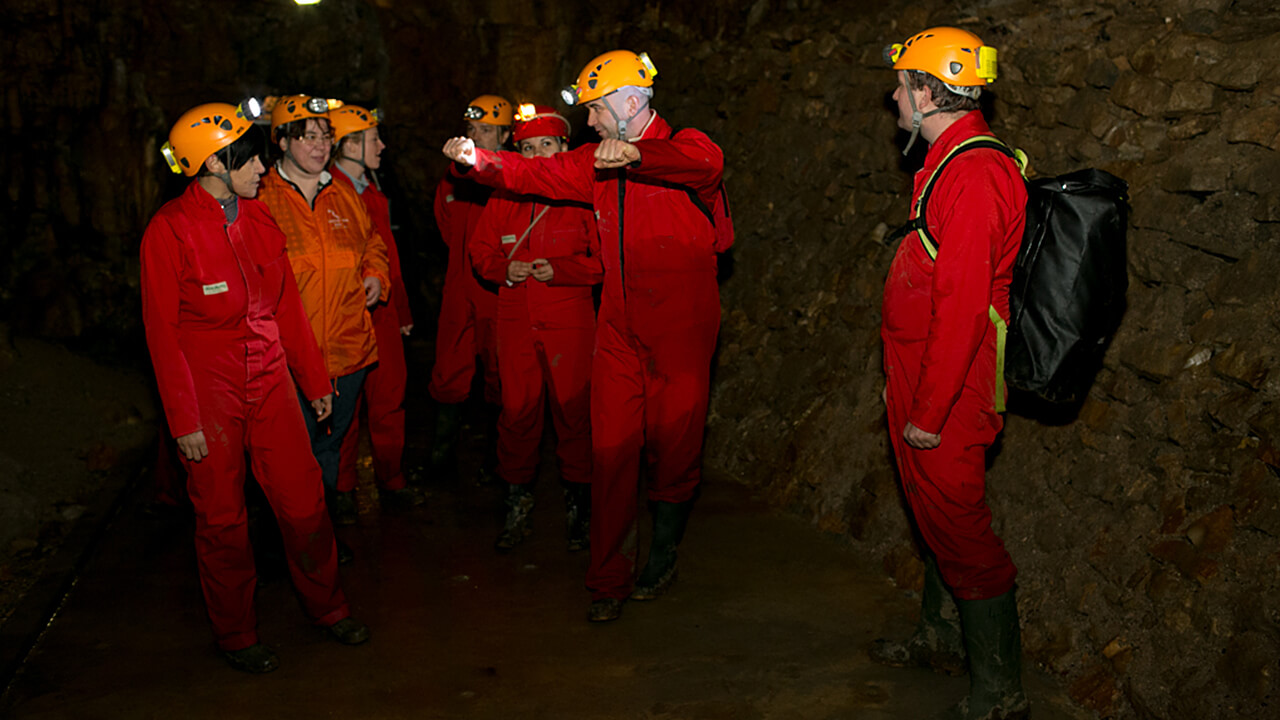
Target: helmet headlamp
{"x":167,"y":151}
{"x":321,"y":105}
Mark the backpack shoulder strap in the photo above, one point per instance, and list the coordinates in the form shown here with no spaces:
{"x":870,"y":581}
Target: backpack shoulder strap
{"x":917,"y":224}
{"x":693,"y":195}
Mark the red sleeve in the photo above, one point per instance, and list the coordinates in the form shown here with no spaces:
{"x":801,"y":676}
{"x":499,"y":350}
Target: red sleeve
{"x":563,"y":176}
{"x":488,"y":259}
{"x":301,"y":351}
{"x":445,"y":216}
{"x":972,"y":221}
{"x":161,"y":266}
{"x":399,"y":296}
{"x":373,"y":262}
{"x":580,"y":268}
{"x":688,"y":158}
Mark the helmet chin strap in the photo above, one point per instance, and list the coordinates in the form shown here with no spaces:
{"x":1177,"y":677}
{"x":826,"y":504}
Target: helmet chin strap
{"x":917,"y":117}
{"x":360,"y":160}
{"x":622,"y":124}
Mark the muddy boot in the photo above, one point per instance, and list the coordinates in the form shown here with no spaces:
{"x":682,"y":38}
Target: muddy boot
{"x":444,"y":448}
{"x":487,"y":474}
{"x":519,"y":504}
{"x":994,"y":642}
{"x":577,"y":506}
{"x":669,"y":520}
{"x":937,"y":642}
{"x":604,"y":610}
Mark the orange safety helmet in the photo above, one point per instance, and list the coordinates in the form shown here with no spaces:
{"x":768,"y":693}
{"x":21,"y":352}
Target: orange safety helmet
{"x":607,"y":73}
{"x":954,"y":56}
{"x":490,"y":110}
{"x":539,"y":120}
{"x":301,"y":107}
{"x":202,"y":131}
{"x":351,"y":119}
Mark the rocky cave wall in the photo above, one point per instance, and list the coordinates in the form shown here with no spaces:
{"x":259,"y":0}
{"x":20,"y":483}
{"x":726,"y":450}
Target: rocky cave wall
{"x":1144,"y":522}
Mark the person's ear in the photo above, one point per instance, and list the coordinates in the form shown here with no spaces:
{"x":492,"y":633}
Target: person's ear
{"x":214,"y":165}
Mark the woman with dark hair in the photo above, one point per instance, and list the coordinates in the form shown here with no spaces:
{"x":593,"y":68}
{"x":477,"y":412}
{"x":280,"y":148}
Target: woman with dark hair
{"x":225,"y":326}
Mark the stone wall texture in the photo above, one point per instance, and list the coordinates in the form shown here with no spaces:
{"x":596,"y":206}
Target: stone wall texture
{"x":1145,"y":522}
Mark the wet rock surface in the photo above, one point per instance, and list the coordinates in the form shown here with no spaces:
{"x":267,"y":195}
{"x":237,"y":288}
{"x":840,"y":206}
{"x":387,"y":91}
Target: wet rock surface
{"x":1145,"y":522}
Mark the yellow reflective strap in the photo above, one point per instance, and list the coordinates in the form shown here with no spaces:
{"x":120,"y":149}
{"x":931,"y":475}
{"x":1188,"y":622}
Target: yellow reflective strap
{"x":1002,"y":331}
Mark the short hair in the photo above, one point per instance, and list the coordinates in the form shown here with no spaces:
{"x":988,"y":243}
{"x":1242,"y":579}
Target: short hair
{"x":239,"y":153}
{"x":298,"y":128}
{"x":627,"y":91}
{"x":944,"y":97}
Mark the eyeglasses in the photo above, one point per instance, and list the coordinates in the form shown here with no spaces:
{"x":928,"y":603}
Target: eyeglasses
{"x":315,"y":139}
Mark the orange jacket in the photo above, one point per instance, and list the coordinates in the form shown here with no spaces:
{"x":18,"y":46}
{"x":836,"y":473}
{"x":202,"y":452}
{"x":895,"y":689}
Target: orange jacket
{"x":332,"y":248}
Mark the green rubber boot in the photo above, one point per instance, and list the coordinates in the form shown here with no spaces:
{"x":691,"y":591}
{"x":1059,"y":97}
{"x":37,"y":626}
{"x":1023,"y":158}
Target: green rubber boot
{"x":516,"y":527}
{"x":994,"y":642}
{"x":444,"y":448}
{"x":669,"y":521}
{"x":937,"y":642}
{"x":577,"y":509}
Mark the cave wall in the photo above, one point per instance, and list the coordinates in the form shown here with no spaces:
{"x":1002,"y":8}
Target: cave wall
{"x":1145,"y":522}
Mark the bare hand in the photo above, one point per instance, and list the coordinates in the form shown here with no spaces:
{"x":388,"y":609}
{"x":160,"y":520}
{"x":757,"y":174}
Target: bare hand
{"x":542,"y":270}
{"x":616,"y":153}
{"x":518,"y":272}
{"x":405,"y":330}
{"x":372,"y":291}
{"x":193,"y":446}
{"x":460,"y":150}
{"x":920,"y":439}
{"x":323,"y":407}
{"x":884,"y":395}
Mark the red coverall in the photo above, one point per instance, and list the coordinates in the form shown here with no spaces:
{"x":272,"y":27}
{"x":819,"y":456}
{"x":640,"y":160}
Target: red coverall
{"x":468,"y":310}
{"x":940,"y":354}
{"x":659,"y":318}
{"x":225,"y":325}
{"x":545,"y":330}
{"x":382,"y":395}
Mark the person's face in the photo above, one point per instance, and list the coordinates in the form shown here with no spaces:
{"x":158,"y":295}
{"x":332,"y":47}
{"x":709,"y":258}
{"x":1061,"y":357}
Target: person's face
{"x":486,"y":136}
{"x":904,"y":103}
{"x":541,"y":146}
{"x":601,"y":120}
{"x":311,"y":151}
{"x":244,"y":182}
{"x":368,"y":142}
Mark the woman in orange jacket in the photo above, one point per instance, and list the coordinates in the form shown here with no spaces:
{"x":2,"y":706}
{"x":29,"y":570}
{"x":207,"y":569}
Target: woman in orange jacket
{"x":340,"y":263}
{"x":358,"y":151}
{"x":225,"y":326}
{"x":544,"y":257}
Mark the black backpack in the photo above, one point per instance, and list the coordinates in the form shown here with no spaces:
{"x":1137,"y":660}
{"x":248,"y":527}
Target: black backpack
{"x":1069,"y":279}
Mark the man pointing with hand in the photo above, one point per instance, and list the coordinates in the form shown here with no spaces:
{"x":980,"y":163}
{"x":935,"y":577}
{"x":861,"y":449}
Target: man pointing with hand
{"x":659,"y":314}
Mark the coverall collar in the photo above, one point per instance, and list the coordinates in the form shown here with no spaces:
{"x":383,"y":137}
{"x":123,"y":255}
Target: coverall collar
{"x":358,"y":183}
{"x":966,"y":126}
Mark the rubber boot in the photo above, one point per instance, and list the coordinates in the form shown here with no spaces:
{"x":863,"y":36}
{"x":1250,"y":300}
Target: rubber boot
{"x":937,"y":642}
{"x":516,"y":528}
{"x":444,"y":448}
{"x":577,"y":506}
{"x":669,"y":521}
{"x":488,"y":437}
{"x":994,"y":642}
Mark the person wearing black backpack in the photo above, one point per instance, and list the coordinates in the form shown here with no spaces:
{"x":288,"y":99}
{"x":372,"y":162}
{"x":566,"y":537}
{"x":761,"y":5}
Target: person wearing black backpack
{"x":946,"y":303}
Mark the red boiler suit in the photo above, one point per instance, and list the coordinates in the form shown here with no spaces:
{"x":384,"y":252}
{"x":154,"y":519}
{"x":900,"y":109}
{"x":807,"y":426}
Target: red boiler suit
{"x":382,"y":396}
{"x":468,"y":310}
{"x":545,"y":330}
{"x":225,"y":325}
{"x":940,"y":354}
{"x":659,"y":318}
